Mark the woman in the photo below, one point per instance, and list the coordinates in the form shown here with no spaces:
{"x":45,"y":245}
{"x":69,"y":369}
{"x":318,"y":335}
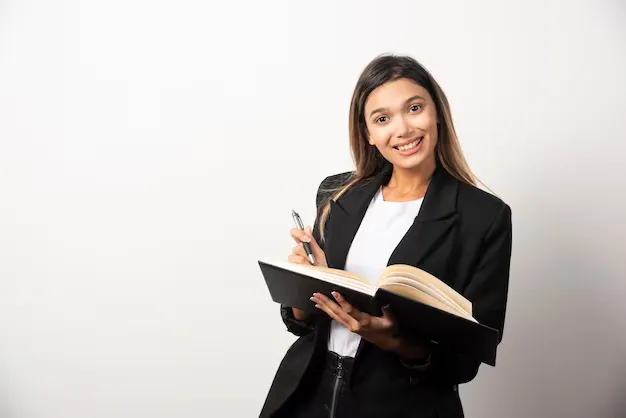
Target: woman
{"x":411,"y":200}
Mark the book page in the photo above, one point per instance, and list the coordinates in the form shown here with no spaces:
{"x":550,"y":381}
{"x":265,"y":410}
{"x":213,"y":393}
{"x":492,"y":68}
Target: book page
{"x":412,"y":293}
{"x":421,"y":276}
{"x":342,"y":273}
{"x":402,"y":278}
{"x":422,"y":288}
{"x":329,"y":275}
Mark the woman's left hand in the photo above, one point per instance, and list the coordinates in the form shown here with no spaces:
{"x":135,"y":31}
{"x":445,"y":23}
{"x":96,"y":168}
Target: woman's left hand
{"x":381,"y":331}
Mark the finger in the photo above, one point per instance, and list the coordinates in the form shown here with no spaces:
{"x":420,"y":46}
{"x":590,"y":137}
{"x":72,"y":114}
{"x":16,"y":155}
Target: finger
{"x":317,"y":250}
{"x":388,"y":318}
{"x":298,"y":250}
{"x":298,"y":259}
{"x":388,"y":313}
{"x":324,"y":306}
{"x":323,"y":300}
{"x":299,"y":235}
{"x":347,"y":307}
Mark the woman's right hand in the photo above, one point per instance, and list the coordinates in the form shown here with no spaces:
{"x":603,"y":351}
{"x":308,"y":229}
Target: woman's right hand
{"x":298,"y":255}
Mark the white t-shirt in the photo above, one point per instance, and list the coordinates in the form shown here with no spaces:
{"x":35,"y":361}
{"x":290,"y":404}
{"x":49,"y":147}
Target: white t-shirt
{"x":382,"y":228}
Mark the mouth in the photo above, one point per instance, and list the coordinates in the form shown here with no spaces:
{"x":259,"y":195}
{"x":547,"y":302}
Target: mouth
{"x":410,"y":146}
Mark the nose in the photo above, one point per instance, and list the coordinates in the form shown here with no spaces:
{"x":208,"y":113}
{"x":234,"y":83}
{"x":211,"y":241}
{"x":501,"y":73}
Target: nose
{"x":404,"y":128}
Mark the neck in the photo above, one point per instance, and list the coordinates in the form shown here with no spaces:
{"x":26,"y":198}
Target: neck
{"x":410,"y":183}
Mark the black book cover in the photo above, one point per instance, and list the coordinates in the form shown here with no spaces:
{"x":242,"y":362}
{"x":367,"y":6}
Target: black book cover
{"x":473,"y":339}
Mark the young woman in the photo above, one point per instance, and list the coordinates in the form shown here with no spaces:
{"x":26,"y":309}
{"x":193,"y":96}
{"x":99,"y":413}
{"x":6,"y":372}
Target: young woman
{"x":411,"y":200}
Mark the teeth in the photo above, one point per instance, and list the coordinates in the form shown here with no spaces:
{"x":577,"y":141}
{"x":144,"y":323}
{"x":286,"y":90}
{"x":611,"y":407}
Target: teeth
{"x":411,"y":145}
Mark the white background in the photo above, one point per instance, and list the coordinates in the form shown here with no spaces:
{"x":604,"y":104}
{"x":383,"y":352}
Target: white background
{"x":151,"y":151}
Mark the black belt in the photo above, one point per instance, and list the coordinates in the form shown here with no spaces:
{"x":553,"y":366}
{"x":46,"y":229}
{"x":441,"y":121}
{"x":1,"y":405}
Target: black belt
{"x":338,"y":364}
{"x":342,"y":365}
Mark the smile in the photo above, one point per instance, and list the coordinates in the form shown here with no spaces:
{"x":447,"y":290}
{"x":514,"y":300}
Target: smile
{"x":411,"y":145}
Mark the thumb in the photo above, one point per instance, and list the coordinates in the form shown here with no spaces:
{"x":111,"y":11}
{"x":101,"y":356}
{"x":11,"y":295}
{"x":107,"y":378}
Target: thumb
{"x":388,"y":315}
{"x":389,"y":321}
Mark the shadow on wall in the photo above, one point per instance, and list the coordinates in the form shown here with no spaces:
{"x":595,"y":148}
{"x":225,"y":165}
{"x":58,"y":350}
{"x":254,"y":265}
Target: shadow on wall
{"x":617,"y":408}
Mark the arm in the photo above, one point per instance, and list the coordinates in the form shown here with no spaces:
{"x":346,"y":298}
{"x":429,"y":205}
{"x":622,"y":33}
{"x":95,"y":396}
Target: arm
{"x":296,"y":321}
{"x":487,"y":290}
{"x":297,"y":326}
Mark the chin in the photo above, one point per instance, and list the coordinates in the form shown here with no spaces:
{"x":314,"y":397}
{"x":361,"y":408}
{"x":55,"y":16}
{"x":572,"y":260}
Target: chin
{"x":412,"y":162}
{"x":410,"y":166}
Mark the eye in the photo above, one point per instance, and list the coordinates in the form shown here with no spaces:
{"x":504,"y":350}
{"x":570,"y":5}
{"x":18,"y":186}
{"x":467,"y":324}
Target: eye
{"x":415,"y":107}
{"x":380,"y":119}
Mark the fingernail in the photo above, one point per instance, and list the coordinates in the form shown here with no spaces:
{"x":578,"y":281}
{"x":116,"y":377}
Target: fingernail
{"x":335,"y":294}
{"x":306,"y":238}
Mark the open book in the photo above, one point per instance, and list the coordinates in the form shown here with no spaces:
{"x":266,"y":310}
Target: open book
{"x":403,"y":280}
{"x":421,"y":303}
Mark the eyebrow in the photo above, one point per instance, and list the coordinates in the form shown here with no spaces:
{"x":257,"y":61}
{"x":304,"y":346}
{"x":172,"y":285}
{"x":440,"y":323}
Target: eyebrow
{"x":410,"y":99}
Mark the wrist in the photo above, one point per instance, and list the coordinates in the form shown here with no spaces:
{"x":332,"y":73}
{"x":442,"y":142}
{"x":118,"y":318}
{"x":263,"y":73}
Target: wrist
{"x":407,"y":349}
{"x":299,"y":315}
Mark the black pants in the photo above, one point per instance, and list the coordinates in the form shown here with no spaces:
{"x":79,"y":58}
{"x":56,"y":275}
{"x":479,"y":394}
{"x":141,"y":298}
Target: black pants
{"x":326,"y":394}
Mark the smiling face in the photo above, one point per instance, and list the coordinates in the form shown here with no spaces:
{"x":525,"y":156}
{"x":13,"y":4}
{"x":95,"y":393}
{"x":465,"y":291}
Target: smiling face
{"x":401,"y":121}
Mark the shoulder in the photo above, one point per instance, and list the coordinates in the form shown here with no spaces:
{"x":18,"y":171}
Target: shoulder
{"x":481,"y":208}
{"x":332,"y":183}
{"x":336,"y":180}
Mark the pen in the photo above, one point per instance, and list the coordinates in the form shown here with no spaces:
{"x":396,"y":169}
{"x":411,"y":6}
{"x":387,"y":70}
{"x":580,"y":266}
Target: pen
{"x":306,"y":245}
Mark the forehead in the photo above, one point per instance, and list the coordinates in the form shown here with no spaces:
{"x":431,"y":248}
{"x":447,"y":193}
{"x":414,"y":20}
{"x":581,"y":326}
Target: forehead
{"x":395,"y":93}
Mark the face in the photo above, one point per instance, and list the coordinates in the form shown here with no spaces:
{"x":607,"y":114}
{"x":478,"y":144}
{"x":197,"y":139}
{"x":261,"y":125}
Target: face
{"x":401,"y":120}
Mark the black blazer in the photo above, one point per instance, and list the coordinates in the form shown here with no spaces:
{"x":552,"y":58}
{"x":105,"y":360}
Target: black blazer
{"x":462,"y":235}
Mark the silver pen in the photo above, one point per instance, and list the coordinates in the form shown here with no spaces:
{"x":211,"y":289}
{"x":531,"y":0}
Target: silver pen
{"x":306,"y":245}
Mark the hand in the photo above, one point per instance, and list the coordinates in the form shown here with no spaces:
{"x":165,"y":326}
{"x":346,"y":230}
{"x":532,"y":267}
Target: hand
{"x":381,"y":331}
{"x":298,"y":254}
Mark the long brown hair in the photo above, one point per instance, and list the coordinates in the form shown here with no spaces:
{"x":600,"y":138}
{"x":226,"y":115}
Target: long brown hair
{"x":367,"y":158}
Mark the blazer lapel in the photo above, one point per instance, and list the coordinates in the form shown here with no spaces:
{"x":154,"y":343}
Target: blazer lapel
{"x":346,"y":215}
{"x":435,"y":218}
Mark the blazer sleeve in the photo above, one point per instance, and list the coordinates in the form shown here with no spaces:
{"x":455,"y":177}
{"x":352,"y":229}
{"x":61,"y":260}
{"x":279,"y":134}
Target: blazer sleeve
{"x":296,"y":327}
{"x":487,"y":289}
